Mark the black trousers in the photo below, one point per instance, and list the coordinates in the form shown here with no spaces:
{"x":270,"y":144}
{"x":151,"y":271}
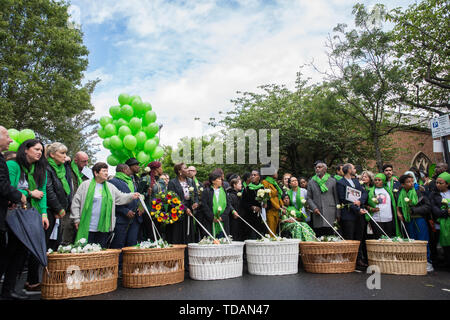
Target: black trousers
{"x":102,"y":238}
{"x":356,"y":230}
{"x":11,"y":260}
{"x":324,"y":231}
{"x":388,"y":227}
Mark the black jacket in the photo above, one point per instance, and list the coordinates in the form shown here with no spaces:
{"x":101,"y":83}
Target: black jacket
{"x":423,"y":207}
{"x":57,"y":199}
{"x":207,"y":208}
{"x":7,"y":192}
{"x":350,"y":212}
{"x":436,"y":204}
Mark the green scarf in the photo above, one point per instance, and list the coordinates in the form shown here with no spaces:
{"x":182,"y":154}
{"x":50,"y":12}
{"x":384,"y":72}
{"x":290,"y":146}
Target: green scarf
{"x":444,"y":235}
{"x":298,"y":213}
{"x":337,"y":177}
{"x":122,"y":176}
{"x":252,"y":186}
{"x":298,"y":198}
{"x":322,"y":182}
{"x":244,"y":184}
{"x":222,"y":203}
{"x":406,"y":207}
{"x":60,"y":173}
{"x":273,"y":182}
{"x":104,"y":222}
{"x":75,"y":170}
{"x":32,"y":186}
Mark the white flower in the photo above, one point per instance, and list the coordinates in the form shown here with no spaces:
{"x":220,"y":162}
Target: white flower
{"x":444,"y":201}
{"x":74,"y":250}
{"x":67,"y":248}
{"x":219,"y":209}
{"x":191,"y":189}
{"x":260,"y":193}
{"x":339,"y":206}
{"x":267,"y":190}
{"x":375,"y":200}
{"x":395,"y":190}
{"x":303,"y":201}
{"x":293,"y":213}
{"x":147,"y":169}
{"x":49,"y":251}
{"x":239,"y":194}
{"x":201,"y":189}
{"x":82,"y":241}
{"x":407,"y":199}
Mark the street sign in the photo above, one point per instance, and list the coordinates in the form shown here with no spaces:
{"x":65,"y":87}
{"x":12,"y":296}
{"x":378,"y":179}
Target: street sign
{"x":440,"y":127}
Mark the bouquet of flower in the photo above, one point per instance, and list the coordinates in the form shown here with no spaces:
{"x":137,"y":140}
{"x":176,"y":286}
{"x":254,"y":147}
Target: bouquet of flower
{"x":167,"y":208}
{"x":329,"y":239}
{"x":81,"y":246}
{"x":156,"y":244}
{"x":209,"y":240}
{"x":263,"y":195}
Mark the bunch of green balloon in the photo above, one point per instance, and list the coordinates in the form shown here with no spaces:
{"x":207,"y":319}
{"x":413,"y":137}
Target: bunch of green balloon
{"x":18,"y":137}
{"x":130,"y":131}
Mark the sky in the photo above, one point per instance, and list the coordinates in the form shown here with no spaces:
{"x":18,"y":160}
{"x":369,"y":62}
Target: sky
{"x":190,"y":58}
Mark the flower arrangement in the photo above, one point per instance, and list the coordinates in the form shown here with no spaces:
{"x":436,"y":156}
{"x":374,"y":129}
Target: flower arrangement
{"x":167,"y":208}
{"x":156,"y":244}
{"x":329,"y":239}
{"x":268,"y":238}
{"x":81,"y":246}
{"x":209,"y":240}
{"x":263,"y":195}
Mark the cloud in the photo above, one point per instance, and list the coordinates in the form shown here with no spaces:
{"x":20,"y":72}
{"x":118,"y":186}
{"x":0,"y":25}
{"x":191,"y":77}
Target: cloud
{"x":188,"y":58}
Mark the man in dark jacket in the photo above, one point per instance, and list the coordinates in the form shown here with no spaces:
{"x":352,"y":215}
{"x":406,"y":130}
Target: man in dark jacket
{"x":11,"y":249}
{"x":352,"y":214}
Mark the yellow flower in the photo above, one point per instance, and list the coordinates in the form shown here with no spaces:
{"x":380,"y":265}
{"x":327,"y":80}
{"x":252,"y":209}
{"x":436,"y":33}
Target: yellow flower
{"x":153,"y":202}
{"x":159,"y":219}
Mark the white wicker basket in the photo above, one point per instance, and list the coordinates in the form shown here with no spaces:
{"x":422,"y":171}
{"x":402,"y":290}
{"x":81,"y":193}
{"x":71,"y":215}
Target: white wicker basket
{"x":215,"y":261}
{"x":272,"y":257}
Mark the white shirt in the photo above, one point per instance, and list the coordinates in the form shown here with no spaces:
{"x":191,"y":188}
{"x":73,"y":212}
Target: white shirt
{"x":351,"y":182}
{"x":96,"y":208}
{"x":384,"y":203}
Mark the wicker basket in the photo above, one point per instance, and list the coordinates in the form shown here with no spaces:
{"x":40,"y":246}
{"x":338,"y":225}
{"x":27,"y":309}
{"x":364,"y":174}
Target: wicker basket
{"x":329,"y":257}
{"x":406,"y":258}
{"x":80,"y":274}
{"x":272,"y":257}
{"x":215,"y":261}
{"x":152,"y":267}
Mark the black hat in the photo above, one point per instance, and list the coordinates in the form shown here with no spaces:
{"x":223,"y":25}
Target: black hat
{"x":131,"y":162}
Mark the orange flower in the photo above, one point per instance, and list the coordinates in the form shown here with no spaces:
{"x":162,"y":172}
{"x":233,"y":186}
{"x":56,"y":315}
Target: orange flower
{"x":175,"y":218}
{"x":160,"y":219}
{"x":174,"y":210}
{"x":158,"y":207}
{"x":176,"y":201}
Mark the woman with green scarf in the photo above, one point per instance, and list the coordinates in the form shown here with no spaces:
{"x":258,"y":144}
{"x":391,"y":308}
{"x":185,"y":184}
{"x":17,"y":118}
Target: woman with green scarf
{"x":252,"y":207}
{"x":216,"y":206}
{"x":382,"y":209}
{"x":440,"y":204}
{"x":297,"y":230}
{"x":413,"y":209}
{"x":29,"y":175}
{"x":93,"y":209}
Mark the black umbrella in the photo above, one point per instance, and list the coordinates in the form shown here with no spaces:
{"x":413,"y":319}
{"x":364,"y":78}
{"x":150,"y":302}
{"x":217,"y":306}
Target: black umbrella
{"x":27,"y":226}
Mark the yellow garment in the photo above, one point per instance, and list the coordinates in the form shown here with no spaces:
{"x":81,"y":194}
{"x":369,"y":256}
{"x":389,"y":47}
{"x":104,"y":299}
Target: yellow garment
{"x":273,"y":207}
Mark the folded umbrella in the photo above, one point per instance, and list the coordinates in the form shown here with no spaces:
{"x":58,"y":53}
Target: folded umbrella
{"x":26,"y":224}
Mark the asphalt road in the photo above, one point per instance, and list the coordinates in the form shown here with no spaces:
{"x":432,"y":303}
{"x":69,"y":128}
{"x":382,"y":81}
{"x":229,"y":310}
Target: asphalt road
{"x":300,"y":286}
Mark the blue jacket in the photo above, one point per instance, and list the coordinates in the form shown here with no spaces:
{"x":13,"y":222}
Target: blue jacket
{"x":352,"y":211}
{"x":121,"y":211}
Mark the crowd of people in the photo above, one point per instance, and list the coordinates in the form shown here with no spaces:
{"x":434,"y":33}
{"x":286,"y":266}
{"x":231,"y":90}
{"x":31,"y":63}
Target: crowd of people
{"x":106,"y":209}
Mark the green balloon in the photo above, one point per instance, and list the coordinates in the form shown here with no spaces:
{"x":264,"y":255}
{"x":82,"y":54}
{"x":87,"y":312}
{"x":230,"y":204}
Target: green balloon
{"x":114,"y":111}
{"x":26,"y":134}
{"x":101,"y":133}
{"x":121,"y":122}
{"x":135,"y":124}
{"x":156,"y":138}
{"x":149,"y":117}
{"x":147,"y":107}
{"x":13,"y":134}
{"x":124,"y":131}
{"x":110,"y":130}
{"x":151,"y":130}
{"x":105,"y":120}
{"x":158,"y":153}
{"x":14,"y":146}
{"x":141,"y":138}
{"x":126,"y":112}
{"x":143,"y":158}
{"x":138,"y":106}
{"x":107,"y":143}
{"x":150,"y":145}
{"x":112,"y":160}
{"x":116,"y":142}
{"x":129,"y":142}
{"x":124,"y":99}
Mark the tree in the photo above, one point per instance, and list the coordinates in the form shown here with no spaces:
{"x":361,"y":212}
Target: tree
{"x":42,"y":61}
{"x":368,"y":81}
{"x":421,"y":35}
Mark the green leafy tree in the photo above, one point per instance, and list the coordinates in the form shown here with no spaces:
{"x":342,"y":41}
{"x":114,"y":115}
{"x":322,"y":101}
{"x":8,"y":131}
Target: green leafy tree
{"x":42,"y":61}
{"x":422,"y":41}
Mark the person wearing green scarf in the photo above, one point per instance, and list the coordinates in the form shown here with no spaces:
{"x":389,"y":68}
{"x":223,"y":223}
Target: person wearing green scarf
{"x":216,"y":207}
{"x":297,"y":230}
{"x":339,"y":174}
{"x":412,"y":209}
{"x":93,"y":207}
{"x":274,"y":204}
{"x":440,"y":204}
{"x":252,"y":207}
{"x":382,"y":208}
{"x":296,"y":197}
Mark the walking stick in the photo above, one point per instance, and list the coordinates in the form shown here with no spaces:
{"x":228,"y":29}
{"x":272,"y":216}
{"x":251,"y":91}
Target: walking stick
{"x":223,"y":230}
{"x":150,"y":217}
{"x":404,"y":228}
{"x":203,"y":228}
{"x":330,"y":225}
{"x":251,"y":227}
{"x":378,"y":226}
